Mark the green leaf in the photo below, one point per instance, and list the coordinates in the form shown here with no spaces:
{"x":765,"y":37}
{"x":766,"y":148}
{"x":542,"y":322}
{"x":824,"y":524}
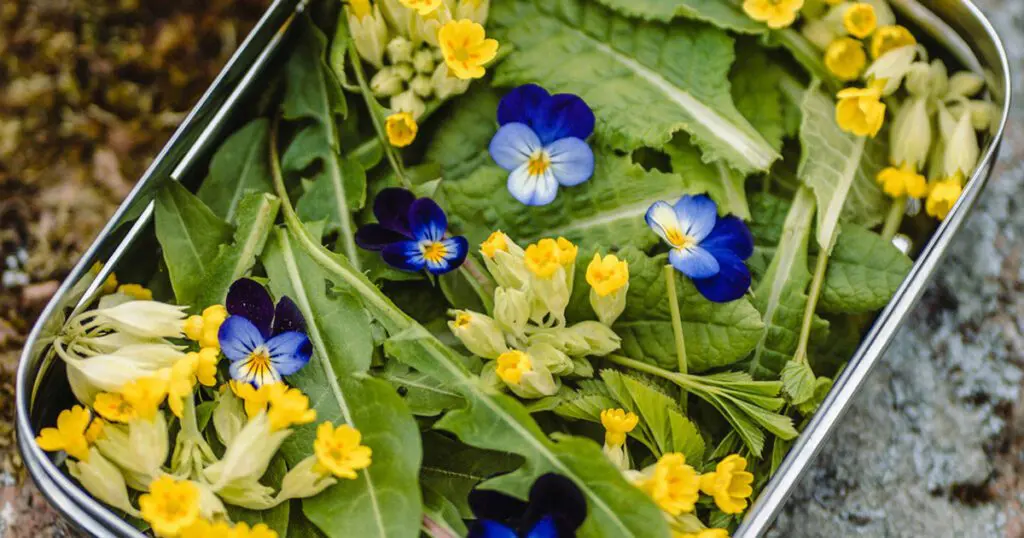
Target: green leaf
{"x":338,"y":184}
{"x":424,"y":396}
{"x":798,"y":381}
{"x":722,"y":13}
{"x":822,"y":386}
{"x":190,"y":236}
{"x":644,"y":80}
{"x":460,"y":143}
{"x":255,"y":215}
{"x":443,"y":513}
{"x":240,"y":165}
{"x":277,"y":517}
{"x":723,"y":184}
{"x":768,"y":215}
{"x":453,"y":469}
{"x":755,"y":89}
{"x":385,"y":498}
{"x":864,"y":272}
{"x":716,"y":334}
{"x":495,"y":421}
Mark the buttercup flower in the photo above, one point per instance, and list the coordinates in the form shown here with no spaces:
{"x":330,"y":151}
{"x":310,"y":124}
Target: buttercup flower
{"x":401,"y":128}
{"x":705,"y":533}
{"x":288,"y":408}
{"x":410,"y":234}
{"x":259,"y":530}
{"x":256,"y":399}
{"x":512,"y":365}
{"x":775,"y":13}
{"x":729,"y":484}
{"x":890,"y":37}
{"x":556,"y":507}
{"x":904,"y":181}
{"x":171,"y":506}
{"x":617,"y":423}
{"x":69,"y":435}
{"x":845,"y":58}
{"x":672,"y":484}
{"x":338,"y":450}
{"x":942,"y":196}
{"x":860,"y":110}
{"x":705,"y":247}
{"x":860,"y":20}
{"x":423,"y":7}
{"x":262,"y":342}
{"x":136,"y":291}
{"x":542,"y":143}
{"x":465,"y":48}
{"x":144,"y":395}
{"x":112,"y":406}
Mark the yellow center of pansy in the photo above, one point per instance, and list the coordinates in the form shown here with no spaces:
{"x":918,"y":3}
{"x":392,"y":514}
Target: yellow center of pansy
{"x":434,"y":251}
{"x":678,"y":239}
{"x":258,"y":361}
{"x":512,"y":365}
{"x":539,"y":163}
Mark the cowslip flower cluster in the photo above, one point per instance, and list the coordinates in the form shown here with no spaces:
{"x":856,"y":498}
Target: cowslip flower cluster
{"x":528,"y":342}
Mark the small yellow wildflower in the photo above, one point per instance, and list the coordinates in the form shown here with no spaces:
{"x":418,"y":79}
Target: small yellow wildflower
{"x":495,"y":242}
{"x":903,"y":181}
{"x":289,"y":407}
{"x":360,"y":8}
{"x":566,"y":252}
{"x":846,"y":58}
{"x":607,"y":275}
{"x":942,"y":196}
{"x":339,"y":452}
{"x":860,"y":110}
{"x":171,"y":506}
{"x":890,"y":37}
{"x":775,"y":13}
{"x":729,"y":484}
{"x":180,"y":383}
{"x":110,"y":285}
{"x":145,"y":395}
{"x":94,"y":431}
{"x":213,"y":317}
{"x":136,"y":291}
{"x":705,"y":533}
{"x":193,"y":327}
{"x":401,"y":128}
{"x":69,"y":435}
{"x":423,"y":7}
{"x":617,"y":423}
{"x":673,"y":485}
{"x":544,"y":257}
{"x":205,"y":529}
{"x":466,"y":48}
{"x":860,"y":20}
{"x":259,"y":530}
{"x":206,"y":366}
{"x":512,"y":365}
{"x":112,"y":406}
{"x":256,"y":400}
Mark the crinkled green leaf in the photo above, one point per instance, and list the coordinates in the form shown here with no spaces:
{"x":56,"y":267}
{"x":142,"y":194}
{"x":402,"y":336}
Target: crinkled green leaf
{"x":864,"y":272}
{"x":240,"y":165}
{"x":644,"y":80}
{"x":768,"y":214}
{"x":453,"y":469}
{"x":798,"y":381}
{"x":716,"y":334}
{"x":822,"y":386}
{"x":424,"y":396}
{"x":722,"y":13}
{"x":723,"y":184}
{"x":755,"y":88}
{"x":461,"y":140}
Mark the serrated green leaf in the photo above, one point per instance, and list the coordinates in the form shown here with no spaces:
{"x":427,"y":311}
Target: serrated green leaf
{"x":190,"y":236}
{"x":644,"y":80}
{"x":277,"y":517}
{"x":864,"y":272}
{"x":716,"y":334}
{"x":453,"y":469}
{"x":723,"y":184}
{"x":385,"y":498}
{"x":722,"y":13}
{"x":798,"y":381}
{"x":240,"y":165}
{"x":822,"y":386}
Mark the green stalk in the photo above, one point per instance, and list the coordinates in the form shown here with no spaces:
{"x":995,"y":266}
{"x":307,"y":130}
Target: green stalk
{"x":812,"y":303}
{"x":371,"y":104}
{"x":677,"y":321}
{"x":895,"y":218}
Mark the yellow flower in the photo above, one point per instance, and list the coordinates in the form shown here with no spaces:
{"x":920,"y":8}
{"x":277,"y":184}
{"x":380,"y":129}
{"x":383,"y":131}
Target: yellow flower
{"x":180,"y":382}
{"x":775,"y":13}
{"x":145,"y":395}
{"x":193,"y":327}
{"x":256,"y":400}
{"x":289,"y":407}
{"x":110,"y":285}
{"x":860,"y":110}
{"x":942,"y":196}
{"x":860,"y":19}
{"x":360,"y":8}
{"x":904,"y":181}
{"x":259,"y":530}
{"x":495,"y":242}
{"x":705,"y":533}
{"x":607,"y":275}
{"x":890,"y":37}
{"x":617,"y":423}
{"x":213,"y":317}
{"x":338,"y":450}
{"x":136,"y":291}
{"x":729,"y":484}
{"x":673,"y":485}
{"x":401,"y":128}
{"x":206,"y":366}
{"x":423,"y":7}
{"x":70,"y":435}
{"x":544,"y":257}
{"x":94,"y":431}
{"x":112,"y":406}
{"x":512,"y":365}
{"x":465,"y":48}
{"x":566,"y":252}
{"x":171,"y":506}
{"x":205,"y":529}
{"x":846,"y":58}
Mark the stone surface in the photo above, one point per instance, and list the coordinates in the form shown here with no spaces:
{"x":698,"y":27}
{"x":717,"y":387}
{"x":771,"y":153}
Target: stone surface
{"x":931,"y":447}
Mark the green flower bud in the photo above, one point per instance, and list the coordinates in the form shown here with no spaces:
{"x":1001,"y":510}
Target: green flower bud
{"x":445,"y":85}
{"x":512,"y":309}
{"x":984,"y":115}
{"x":400,"y":50}
{"x":386,"y":83}
{"x":819,"y":32}
{"x":939,"y":78}
{"x":421,"y":86}
{"x":965,"y":84}
{"x":369,"y":34}
{"x":138,"y":469}
{"x":555,"y":361}
{"x":919,"y":79}
{"x":962,"y":150}
{"x":304,"y":480}
{"x":481,"y":335}
{"x":103,"y":480}
{"x":562,"y":339}
{"x":601,"y":339}
{"x":892,"y":67}
{"x":247,"y":457}
{"x":581,"y":367}
{"x":228,"y":416}
{"x":408,"y":101}
{"x":404,"y":71}
{"x":248,"y":493}
{"x":474,"y":10}
{"x":423,"y":62}
{"x":617,"y":455}
{"x":397,"y":15}
{"x":911,"y":134}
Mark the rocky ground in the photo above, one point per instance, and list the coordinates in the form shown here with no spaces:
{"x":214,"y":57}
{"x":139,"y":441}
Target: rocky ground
{"x":933,"y":446}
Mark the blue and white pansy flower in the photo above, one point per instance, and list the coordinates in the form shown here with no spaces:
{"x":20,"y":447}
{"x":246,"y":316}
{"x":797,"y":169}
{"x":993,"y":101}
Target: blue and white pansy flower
{"x":411,"y":234}
{"x":263,"y":342}
{"x":705,"y":247}
{"x":542,"y":143}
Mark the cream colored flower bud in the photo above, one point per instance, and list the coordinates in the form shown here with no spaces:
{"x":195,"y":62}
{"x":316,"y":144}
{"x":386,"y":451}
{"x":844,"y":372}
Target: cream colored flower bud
{"x":304,"y":480}
{"x":400,"y":50}
{"x":145,"y":319}
{"x":248,"y":455}
{"x":103,"y":480}
{"x":962,"y":150}
{"x":550,"y":297}
{"x":911,"y":134}
{"x":512,"y":309}
{"x":446,"y":85}
{"x":397,"y":15}
{"x":557,"y":362}
{"x":965,"y":84}
{"x":139,"y":449}
{"x":369,"y":34}
{"x":210,"y":506}
{"x":947,"y":123}
{"x":422,"y":86}
{"x":918,"y":81}
{"x":386,"y":83}
{"x":408,"y":101}
{"x":939,"y":78}
{"x":984,"y":115}
{"x":892,"y":67}
{"x":569,"y":342}
{"x":820,"y":32}
{"x":617,"y":455}
{"x":228,"y":416}
{"x":599,"y":337}
{"x":404,"y":70}
{"x":423,"y":62}
{"x":474,"y":10}
{"x":424,"y":28}
{"x":481,"y":334}
{"x":248,"y":493}
{"x":108,"y":373}
{"x":582,"y":367}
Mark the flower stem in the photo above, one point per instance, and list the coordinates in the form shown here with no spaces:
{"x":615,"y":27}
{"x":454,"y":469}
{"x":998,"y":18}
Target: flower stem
{"x":389,"y":150}
{"x":812,"y":304}
{"x":677,"y":322}
{"x":895,"y":218}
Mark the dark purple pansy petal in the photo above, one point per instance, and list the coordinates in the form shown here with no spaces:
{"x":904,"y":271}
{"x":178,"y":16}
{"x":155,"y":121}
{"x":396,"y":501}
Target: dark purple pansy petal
{"x":520,"y":104}
{"x":288,"y":317}
{"x":730,"y":234}
{"x":731,"y":282}
{"x":496,"y":506}
{"x":564,"y":115}
{"x":486,"y":528}
{"x":249,"y":299}
{"x":555,"y":496}
{"x":405,"y":256}
{"x":375,"y":237}
{"x":391,"y":207}
{"x":427,"y":220}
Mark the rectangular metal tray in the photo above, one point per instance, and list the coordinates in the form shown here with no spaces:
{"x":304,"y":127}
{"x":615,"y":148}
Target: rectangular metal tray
{"x":958,"y":25}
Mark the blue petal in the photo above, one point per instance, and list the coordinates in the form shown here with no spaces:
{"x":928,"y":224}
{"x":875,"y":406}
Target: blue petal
{"x":405,"y":256}
{"x":730,"y":234}
{"x":485,"y":528}
{"x":391,"y":207}
{"x":376,"y":236}
{"x":662,"y":218}
{"x":533,"y":190}
{"x":427,"y":220}
{"x":572,"y":161}
{"x":289,"y":351}
{"x":519,"y":104}
{"x":456,"y":249}
{"x":513,"y":144}
{"x":564,"y":115}
{"x":694,"y":262}
{"x":731,"y":282}
{"x":545,"y":528}
{"x":256,"y":373}
{"x":288,"y":317}
{"x":249,"y":299}
{"x":697,"y":215}
{"x":238,"y":337}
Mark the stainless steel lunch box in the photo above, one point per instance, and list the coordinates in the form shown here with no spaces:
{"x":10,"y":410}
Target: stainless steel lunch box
{"x":42,"y":390}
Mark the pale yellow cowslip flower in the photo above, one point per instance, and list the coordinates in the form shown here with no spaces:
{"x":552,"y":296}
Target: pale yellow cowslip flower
{"x":888,"y":38}
{"x":339,"y":451}
{"x":729,"y":484}
{"x":860,"y":20}
{"x":845,"y":58}
{"x":401,"y":128}
{"x":466,"y":49}
{"x":860,"y":110}
{"x":775,"y":13}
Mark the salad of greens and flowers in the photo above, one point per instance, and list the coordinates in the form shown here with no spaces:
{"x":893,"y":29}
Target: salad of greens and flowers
{"x":520,"y":268}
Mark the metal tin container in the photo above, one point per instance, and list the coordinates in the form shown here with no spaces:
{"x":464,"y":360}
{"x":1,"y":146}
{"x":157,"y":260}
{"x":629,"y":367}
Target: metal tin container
{"x":42,"y":391}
